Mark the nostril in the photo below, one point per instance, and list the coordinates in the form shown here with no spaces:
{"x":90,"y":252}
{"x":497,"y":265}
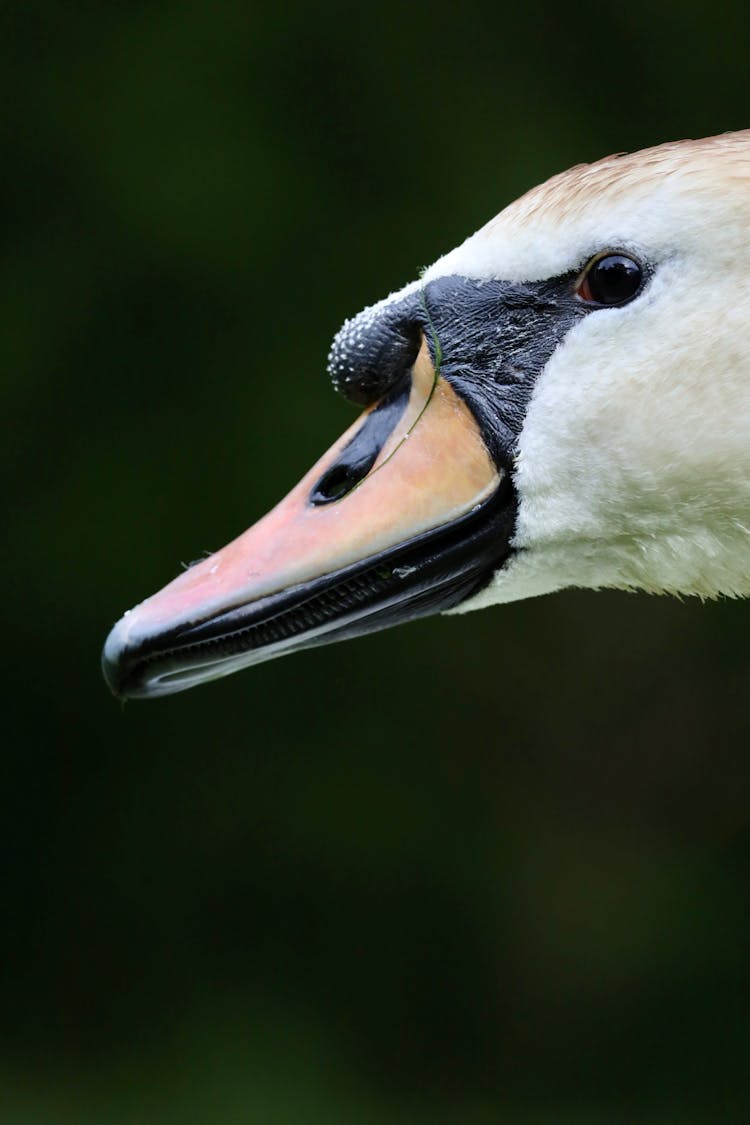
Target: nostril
{"x":339,"y":480}
{"x":361,"y":453}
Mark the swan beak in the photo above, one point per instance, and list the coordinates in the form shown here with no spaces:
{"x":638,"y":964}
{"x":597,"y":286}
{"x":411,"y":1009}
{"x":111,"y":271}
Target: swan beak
{"x":398,"y":519}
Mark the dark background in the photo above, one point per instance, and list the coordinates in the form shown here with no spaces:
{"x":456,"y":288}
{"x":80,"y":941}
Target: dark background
{"x":488,"y":869}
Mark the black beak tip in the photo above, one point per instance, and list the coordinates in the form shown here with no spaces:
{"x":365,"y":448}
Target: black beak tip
{"x":113,"y":664}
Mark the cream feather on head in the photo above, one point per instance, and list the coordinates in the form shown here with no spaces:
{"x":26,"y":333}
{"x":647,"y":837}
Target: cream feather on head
{"x":574,"y":385}
{"x":633,"y":462}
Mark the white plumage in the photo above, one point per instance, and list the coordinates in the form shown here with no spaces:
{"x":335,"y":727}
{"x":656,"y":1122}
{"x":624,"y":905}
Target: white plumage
{"x":633,"y":468}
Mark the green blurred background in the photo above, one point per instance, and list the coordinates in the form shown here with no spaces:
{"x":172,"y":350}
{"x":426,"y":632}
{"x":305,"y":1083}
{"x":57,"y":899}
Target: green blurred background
{"x":488,"y":869}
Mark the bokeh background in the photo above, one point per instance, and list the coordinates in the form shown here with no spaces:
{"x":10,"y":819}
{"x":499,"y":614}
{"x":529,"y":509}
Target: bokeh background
{"x":488,"y":869}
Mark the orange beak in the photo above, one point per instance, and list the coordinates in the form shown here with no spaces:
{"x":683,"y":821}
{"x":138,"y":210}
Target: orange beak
{"x":392,"y":522}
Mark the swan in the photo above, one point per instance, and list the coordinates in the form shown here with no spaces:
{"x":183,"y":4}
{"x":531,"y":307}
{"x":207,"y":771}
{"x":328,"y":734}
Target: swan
{"x":562,"y":400}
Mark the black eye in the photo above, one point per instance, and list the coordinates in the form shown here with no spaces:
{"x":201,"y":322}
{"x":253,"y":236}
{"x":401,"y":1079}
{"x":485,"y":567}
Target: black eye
{"x":611,"y":279}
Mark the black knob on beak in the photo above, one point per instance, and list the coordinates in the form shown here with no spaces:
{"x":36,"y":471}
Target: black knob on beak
{"x":375,"y":349}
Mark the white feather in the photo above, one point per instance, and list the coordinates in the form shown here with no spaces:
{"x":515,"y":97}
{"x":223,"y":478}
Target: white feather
{"x":634,"y":460}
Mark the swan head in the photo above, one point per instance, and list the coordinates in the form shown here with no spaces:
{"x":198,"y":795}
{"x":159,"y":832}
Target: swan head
{"x":563,"y":400}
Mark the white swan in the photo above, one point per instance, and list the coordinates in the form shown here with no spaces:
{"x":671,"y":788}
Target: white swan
{"x":563,"y":400}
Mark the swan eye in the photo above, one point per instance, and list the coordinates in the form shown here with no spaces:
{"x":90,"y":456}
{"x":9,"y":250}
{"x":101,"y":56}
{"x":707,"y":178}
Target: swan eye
{"x":610,"y":279}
